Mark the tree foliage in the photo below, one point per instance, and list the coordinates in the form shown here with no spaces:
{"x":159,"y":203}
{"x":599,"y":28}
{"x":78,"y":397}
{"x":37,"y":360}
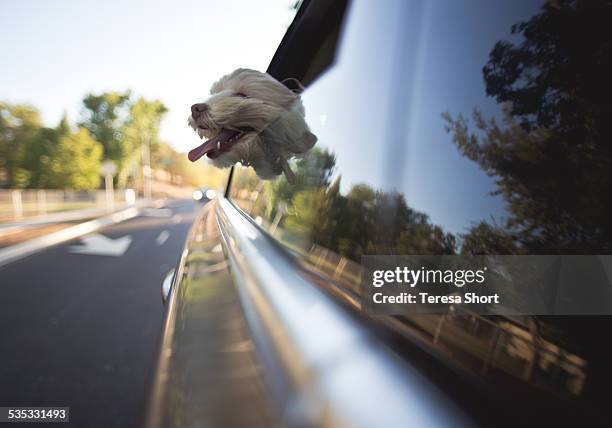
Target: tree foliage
{"x":19,"y":127}
{"x":33,"y":156}
{"x":140,"y":133}
{"x":76,"y":161}
{"x":552,"y":155}
{"x":104,"y":116}
{"x":363,"y":221}
{"x":113,"y":123}
{"x":124,"y":126}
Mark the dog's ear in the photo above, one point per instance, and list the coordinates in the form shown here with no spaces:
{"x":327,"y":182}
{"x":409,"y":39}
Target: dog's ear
{"x":264,"y":87}
{"x":310,"y":140}
{"x":304,"y":144}
{"x":294,"y":84}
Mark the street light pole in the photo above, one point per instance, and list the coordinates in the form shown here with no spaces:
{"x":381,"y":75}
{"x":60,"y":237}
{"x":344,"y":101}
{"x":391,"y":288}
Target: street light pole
{"x":146,"y":169}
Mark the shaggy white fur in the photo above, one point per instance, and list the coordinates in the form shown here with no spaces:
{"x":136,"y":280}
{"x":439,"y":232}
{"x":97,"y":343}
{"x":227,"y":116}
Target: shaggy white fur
{"x":253,"y":119}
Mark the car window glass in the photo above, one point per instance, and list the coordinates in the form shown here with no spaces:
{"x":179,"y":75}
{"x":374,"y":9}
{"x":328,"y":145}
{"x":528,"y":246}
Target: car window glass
{"x":440,"y":131}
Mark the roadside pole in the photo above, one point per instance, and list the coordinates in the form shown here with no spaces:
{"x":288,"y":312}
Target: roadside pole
{"x":108,"y":170}
{"x":146,"y":169}
{"x":41,"y":202}
{"x":17,"y":206}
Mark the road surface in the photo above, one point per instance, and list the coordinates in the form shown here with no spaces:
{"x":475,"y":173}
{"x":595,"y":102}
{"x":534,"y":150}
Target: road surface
{"x":80,"y":322}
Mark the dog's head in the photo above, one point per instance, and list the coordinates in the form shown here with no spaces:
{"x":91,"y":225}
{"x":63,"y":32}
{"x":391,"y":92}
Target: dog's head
{"x":253,"y":119}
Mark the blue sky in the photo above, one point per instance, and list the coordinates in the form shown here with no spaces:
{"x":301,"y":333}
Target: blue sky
{"x":56,"y":51}
{"x":428,"y":61}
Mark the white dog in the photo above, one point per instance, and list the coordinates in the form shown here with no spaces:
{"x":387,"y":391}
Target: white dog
{"x":253,"y":119}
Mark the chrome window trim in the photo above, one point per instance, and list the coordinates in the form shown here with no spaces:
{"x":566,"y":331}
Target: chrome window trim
{"x":328,"y":369}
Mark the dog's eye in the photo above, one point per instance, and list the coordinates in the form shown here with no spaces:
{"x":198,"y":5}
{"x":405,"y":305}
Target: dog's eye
{"x":241,"y":95}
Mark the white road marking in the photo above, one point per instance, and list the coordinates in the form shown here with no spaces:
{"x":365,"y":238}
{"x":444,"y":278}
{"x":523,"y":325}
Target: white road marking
{"x":160,"y":212}
{"x":162,"y":237}
{"x":27,"y":248}
{"x":177,"y":218}
{"x":100,"y":245}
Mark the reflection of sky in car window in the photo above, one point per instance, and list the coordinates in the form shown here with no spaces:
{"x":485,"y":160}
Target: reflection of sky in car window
{"x":380,"y":108}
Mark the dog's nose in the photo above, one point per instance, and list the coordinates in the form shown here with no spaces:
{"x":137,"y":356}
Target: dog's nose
{"x":198,"y":109}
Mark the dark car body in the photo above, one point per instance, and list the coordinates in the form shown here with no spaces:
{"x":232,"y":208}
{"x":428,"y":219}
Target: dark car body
{"x":264,"y":324}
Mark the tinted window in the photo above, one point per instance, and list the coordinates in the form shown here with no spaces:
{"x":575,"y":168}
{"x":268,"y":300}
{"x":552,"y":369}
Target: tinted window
{"x":456,"y":127}
{"x":451,"y":127}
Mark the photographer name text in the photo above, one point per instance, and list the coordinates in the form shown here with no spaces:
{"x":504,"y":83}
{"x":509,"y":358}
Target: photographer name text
{"x":406,"y":277}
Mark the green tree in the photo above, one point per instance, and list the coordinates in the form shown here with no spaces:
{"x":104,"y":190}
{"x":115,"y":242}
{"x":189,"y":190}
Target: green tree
{"x":20,"y":124}
{"x":357,"y":222}
{"x":40,"y":152}
{"x":36,"y":160}
{"x":365,"y":221}
{"x":399,"y":229}
{"x":76,"y":161}
{"x":141,"y":134}
{"x":105,"y":116}
{"x":312,"y":171}
{"x":552,"y":155}
{"x":484,"y":238}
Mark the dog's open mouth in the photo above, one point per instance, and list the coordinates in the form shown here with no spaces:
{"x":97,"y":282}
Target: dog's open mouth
{"x":222,"y":142}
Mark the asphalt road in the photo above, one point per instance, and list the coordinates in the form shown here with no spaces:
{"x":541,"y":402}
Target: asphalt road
{"x":82,"y":330}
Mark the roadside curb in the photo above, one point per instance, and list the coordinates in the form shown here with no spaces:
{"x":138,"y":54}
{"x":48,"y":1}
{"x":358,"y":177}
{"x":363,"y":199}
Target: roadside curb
{"x":18,"y":251}
{"x":8,"y":228}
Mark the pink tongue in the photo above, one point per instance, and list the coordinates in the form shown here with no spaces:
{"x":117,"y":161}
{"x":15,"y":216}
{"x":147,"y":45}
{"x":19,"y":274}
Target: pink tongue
{"x":211,"y":144}
{"x":200,"y":151}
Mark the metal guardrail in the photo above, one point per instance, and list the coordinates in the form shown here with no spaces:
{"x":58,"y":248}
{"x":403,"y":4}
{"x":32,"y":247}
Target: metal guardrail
{"x":329,"y":370}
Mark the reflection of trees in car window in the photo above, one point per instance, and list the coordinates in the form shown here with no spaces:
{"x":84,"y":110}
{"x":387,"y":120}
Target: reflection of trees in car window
{"x":363,"y":221}
{"x":547,"y":157}
{"x":551,"y":155}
